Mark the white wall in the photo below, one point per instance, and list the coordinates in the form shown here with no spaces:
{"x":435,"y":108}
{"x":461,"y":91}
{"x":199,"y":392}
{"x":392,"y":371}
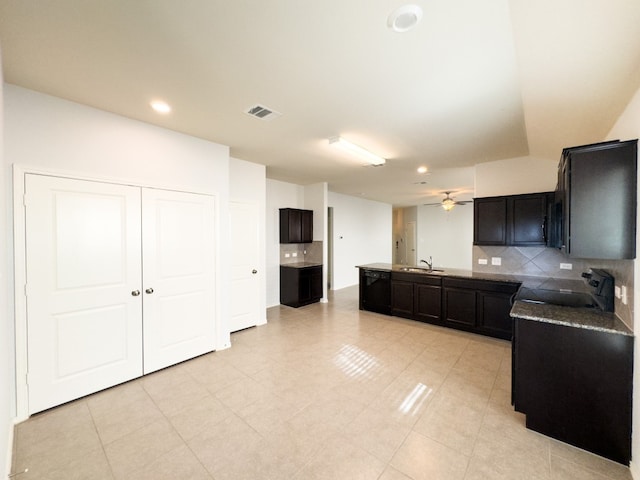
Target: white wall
{"x":446,"y":236}
{"x":50,"y":134}
{"x":7,"y":366}
{"x":315,"y":198}
{"x":248,"y":183}
{"x":516,"y":175}
{"x":362,"y":233}
{"x":279,"y":195}
{"x":627,"y":127}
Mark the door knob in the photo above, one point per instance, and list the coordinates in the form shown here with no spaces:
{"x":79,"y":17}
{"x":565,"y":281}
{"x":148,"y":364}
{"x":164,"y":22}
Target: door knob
{"x":149,"y":290}
{"x":135,"y":293}
{"x":254,"y":271}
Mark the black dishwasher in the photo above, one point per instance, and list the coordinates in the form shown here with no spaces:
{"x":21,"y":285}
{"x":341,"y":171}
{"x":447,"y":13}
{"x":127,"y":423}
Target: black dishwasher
{"x":375,"y":291}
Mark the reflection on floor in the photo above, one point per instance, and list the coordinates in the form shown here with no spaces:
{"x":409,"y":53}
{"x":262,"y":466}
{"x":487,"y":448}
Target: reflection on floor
{"x":321,"y":392}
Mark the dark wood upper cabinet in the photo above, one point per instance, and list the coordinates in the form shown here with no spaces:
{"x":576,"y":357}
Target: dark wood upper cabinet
{"x":490,"y":221}
{"x":519,"y":220}
{"x":597,"y":191}
{"x":296,"y":225}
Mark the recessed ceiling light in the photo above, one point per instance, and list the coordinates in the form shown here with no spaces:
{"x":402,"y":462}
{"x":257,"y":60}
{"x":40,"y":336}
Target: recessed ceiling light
{"x":422,"y":169}
{"x":160,"y":106}
{"x":404,"y":18}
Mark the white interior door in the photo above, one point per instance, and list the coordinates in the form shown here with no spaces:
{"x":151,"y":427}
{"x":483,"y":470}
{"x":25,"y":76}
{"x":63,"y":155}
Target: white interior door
{"x":178,"y":276}
{"x":83,"y":263}
{"x":245,"y":283}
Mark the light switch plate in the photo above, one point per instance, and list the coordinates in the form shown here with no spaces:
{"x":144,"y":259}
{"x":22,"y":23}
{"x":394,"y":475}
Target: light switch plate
{"x":566,"y":266}
{"x":496,"y":260}
{"x":482,"y":261}
{"x":617,"y":291}
{"x":295,"y":254}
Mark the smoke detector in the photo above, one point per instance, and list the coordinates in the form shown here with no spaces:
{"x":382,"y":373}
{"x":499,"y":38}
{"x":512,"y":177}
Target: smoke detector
{"x":404,"y":18}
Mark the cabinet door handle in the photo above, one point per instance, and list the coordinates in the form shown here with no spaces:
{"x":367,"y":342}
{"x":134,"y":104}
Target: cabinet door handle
{"x":149,"y":290}
{"x":254,"y":271}
{"x":135,"y":293}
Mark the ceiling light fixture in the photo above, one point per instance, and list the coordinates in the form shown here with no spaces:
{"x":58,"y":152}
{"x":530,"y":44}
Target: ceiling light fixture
{"x":160,"y":106}
{"x":404,"y":18}
{"x":422,"y":169}
{"x":448,"y":204}
{"x":357,"y":150}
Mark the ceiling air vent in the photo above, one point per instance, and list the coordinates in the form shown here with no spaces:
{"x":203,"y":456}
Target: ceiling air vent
{"x":262,"y":112}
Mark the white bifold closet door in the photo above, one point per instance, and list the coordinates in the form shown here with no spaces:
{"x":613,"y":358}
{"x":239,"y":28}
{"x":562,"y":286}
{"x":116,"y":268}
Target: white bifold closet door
{"x":100,"y":311}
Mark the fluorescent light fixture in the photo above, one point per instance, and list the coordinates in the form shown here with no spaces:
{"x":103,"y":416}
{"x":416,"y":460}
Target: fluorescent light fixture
{"x":160,"y":106}
{"x":356,"y":150}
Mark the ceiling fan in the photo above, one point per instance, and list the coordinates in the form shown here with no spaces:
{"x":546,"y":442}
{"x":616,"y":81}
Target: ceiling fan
{"x":448,"y":203}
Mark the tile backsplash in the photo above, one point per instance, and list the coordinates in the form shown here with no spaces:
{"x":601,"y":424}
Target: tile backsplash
{"x":304,"y":252}
{"x":545,"y":262}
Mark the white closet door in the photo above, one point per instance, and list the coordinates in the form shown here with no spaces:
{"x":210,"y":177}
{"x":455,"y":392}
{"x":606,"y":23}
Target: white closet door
{"x":245,"y":284}
{"x":178,"y":276}
{"x":83,"y":263}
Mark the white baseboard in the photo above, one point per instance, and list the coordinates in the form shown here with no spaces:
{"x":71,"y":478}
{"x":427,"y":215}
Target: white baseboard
{"x":9,"y":458}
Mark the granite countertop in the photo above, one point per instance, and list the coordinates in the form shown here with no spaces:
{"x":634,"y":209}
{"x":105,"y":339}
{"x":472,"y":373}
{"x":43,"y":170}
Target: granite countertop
{"x":452,"y":273}
{"x":579,"y":317}
{"x":589,"y":318}
{"x":301,"y":264}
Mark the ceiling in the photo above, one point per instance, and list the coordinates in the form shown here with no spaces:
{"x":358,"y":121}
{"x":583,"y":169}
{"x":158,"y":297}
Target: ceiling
{"x":474,"y":81}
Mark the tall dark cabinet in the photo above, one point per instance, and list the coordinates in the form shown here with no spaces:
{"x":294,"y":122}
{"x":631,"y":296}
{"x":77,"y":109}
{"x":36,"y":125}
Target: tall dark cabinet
{"x":597,"y":194}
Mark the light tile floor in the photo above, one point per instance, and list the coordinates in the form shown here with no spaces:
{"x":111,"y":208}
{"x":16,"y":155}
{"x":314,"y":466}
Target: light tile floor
{"x":321,"y":392}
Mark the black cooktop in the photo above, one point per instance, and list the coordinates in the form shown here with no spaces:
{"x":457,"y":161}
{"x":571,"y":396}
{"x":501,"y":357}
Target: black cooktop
{"x":597,"y":292}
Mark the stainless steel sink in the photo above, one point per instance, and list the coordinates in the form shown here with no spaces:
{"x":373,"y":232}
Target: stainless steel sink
{"x":420,"y":270}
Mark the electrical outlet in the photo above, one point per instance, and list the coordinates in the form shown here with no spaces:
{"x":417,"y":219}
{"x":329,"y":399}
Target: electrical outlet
{"x":566,"y":266}
{"x":482,"y":261}
{"x":295,"y":254}
{"x":617,"y":292}
{"x":286,"y":255}
{"x":623,"y":294}
{"x":496,"y":260}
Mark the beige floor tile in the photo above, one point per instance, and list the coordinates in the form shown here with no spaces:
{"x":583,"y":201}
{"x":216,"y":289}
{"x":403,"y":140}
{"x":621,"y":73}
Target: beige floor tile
{"x":424,"y":459}
{"x":118,"y":415}
{"x":322,"y":392}
{"x":179,"y":463}
{"x":199,"y":416}
{"x":67,"y":465}
{"x":453,"y":421}
{"x":590,"y":461}
{"x":141,"y":448}
{"x":56,"y":436}
{"x":391,"y":473}
{"x":375,"y":432}
{"x":340,"y":459}
{"x":562,"y":469}
{"x":224,"y":450}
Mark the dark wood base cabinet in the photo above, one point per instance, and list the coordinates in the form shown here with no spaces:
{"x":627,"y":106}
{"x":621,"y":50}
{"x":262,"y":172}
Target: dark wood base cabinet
{"x":575,"y":385}
{"x":474,"y":305}
{"x":479,"y":306}
{"x":300,"y":285}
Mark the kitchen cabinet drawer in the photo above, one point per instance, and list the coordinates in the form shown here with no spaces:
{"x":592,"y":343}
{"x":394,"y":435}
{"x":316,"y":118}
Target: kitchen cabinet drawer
{"x":296,"y":225}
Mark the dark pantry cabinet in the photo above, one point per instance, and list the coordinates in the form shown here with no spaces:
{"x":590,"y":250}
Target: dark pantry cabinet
{"x":300,"y":285}
{"x":296,"y":225}
{"x":518,"y":220}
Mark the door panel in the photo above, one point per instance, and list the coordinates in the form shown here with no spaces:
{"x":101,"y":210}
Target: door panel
{"x":179,"y":281}
{"x":245,"y":285}
{"x":83,"y":261}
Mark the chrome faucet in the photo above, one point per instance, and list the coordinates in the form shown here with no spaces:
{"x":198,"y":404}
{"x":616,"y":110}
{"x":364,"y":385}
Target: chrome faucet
{"x":429,"y":263}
